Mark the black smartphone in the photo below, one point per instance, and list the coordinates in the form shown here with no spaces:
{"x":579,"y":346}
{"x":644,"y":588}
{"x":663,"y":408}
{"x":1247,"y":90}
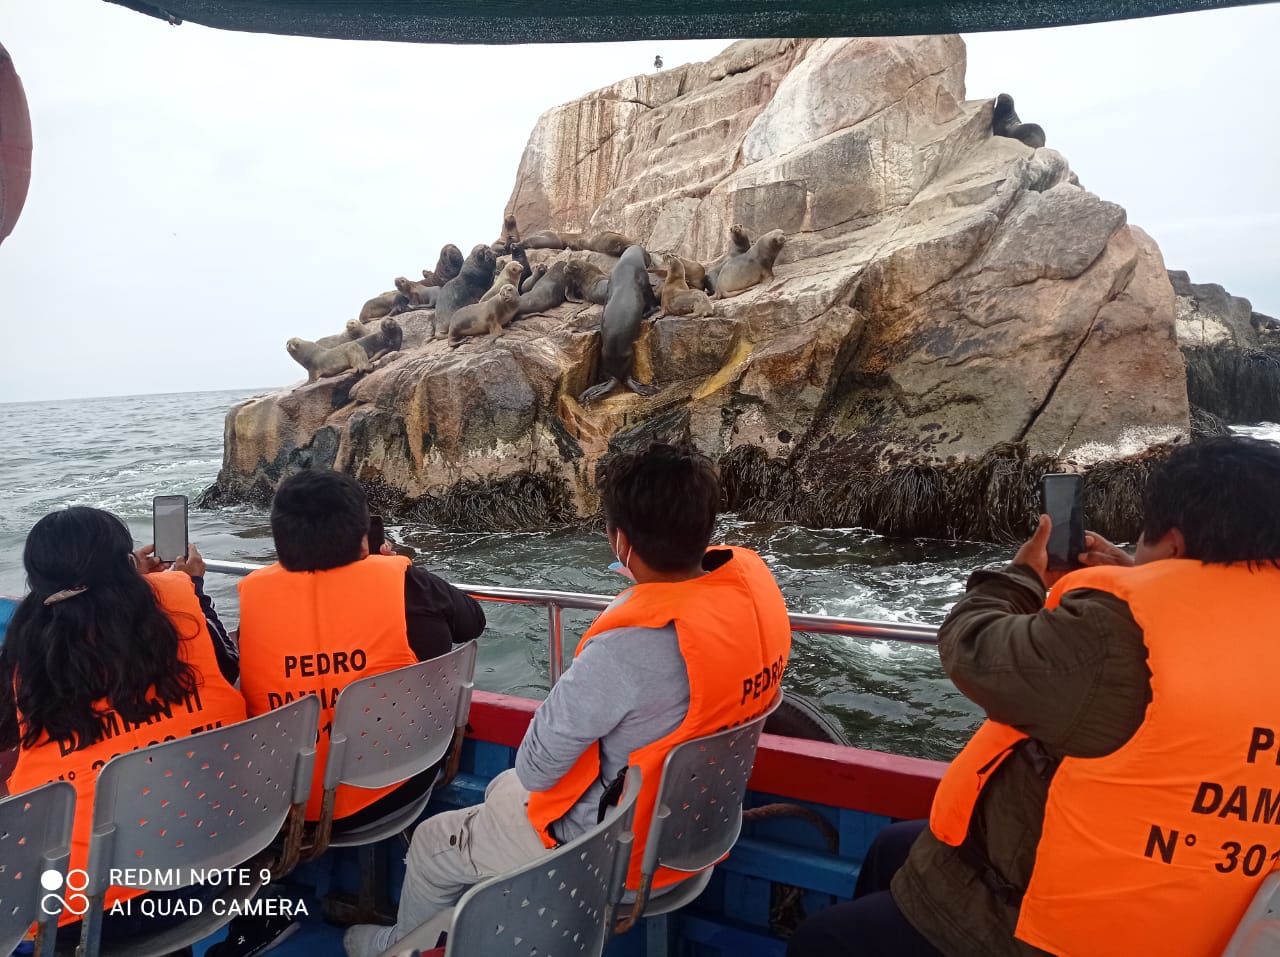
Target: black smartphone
{"x":376,"y":536}
{"x":169,"y":526}
{"x":1062,"y":499}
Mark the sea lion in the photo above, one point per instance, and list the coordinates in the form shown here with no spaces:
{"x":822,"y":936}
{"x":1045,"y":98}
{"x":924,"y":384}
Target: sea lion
{"x":349,"y":357}
{"x":354,"y":330}
{"x":548,"y":293}
{"x":472,"y":282}
{"x":491,"y":315}
{"x":378,"y":306}
{"x":1005,"y":122}
{"x":550,"y":239}
{"x":745,"y":270}
{"x":678,"y":298}
{"x":739,"y":242}
{"x":387,"y":336}
{"x":518,"y":254}
{"x":413,"y":295}
{"x":510,"y":236}
{"x":695,"y":274}
{"x":509,"y":275}
{"x":609,"y":243}
{"x":587,"y":281}
{"x":447,"y":266}
{"x":539,"y":271}
{"x":630,"y":300}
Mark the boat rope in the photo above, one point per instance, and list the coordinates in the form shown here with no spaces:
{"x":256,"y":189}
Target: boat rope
{"x":768,"y":811}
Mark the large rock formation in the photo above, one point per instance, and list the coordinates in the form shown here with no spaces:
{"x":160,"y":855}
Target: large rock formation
{"x":951,"y":315}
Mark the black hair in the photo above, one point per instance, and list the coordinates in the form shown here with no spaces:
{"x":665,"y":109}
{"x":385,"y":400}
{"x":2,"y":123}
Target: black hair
{"x":665,"y":497}
{"x":112,"y":642}
{"x":318,"y":520}
{"x":1223,"y":494}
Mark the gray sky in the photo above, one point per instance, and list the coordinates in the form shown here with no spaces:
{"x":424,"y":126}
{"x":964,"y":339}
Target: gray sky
{"x":198,"y":197}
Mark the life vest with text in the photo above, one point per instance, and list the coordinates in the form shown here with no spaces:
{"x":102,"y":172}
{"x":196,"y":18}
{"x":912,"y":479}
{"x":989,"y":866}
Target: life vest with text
{"x":734,"y":636}
{"x":307,"y":633}
{"x":213,"y":704}
{"x":1158,"y":847}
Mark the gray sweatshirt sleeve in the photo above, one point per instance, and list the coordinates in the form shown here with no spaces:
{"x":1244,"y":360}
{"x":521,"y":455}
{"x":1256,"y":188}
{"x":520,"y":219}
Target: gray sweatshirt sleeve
{"x":612,"y":681}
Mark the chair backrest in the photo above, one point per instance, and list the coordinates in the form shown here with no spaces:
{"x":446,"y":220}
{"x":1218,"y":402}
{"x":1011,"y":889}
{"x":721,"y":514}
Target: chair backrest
{"x":698,"y":813}
{"x":561,"y":904}
{"x":390,"y":726}
{"x":35,"y":846}
{"x":208,"y":801}
{"x":1258,"y":933}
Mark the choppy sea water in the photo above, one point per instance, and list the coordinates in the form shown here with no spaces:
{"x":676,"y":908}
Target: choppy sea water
{"x":118,"y":453}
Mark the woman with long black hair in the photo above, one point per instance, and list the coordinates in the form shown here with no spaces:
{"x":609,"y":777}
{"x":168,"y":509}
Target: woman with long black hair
{"x":101,"y":659}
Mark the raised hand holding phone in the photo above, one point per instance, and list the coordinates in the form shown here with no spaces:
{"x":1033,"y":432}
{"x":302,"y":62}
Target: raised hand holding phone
{"x":169,"y":527}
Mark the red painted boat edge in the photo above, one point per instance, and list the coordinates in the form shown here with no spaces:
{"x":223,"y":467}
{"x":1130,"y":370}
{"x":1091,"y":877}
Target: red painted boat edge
{"x":830,"y":774}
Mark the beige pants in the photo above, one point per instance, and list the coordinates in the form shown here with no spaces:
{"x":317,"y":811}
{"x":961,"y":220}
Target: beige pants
{"x":454,"y":850}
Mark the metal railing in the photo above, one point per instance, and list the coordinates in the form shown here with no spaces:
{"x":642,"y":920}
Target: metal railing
{"x":557,"y":601}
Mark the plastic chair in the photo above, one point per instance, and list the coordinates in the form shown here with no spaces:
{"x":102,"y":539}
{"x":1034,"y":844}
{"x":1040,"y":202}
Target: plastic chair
{"x":1258,"y":933}
{"x":561,"y":904}
{"x":202,"y":803}
{"x":698,"y":815}
{"x":35,"y":840}
{"x":386,"y":729}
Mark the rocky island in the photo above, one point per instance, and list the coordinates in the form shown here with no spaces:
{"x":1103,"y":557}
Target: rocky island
{"x":951,"y":316}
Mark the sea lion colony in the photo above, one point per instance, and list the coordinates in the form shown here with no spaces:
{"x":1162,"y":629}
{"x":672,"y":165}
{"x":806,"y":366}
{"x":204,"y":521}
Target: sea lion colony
{"x":481,"y":294}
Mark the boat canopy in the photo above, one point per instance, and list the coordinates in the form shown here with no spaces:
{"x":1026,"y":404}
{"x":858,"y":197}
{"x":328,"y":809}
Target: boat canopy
{"x":15,"y":145}
{"x":568,"y":21}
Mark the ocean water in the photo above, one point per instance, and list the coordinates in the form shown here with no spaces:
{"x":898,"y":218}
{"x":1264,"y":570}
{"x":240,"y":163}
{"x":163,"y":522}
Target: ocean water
{"x":118,"y":453}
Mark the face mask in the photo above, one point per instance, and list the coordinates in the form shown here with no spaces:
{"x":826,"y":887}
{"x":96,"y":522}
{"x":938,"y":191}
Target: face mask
{"x":620,"y":566}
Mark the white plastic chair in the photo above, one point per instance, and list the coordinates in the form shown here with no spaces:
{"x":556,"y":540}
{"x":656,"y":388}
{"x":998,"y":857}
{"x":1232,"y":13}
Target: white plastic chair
{"x":35,"y":841}
{"x":1258,"y":933}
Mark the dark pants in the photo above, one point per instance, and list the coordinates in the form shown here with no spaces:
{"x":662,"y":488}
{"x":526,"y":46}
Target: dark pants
{"x":870,"y":925}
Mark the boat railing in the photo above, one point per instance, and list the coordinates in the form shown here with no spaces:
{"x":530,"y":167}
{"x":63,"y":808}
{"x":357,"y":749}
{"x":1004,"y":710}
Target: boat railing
{"x":556,"y":602}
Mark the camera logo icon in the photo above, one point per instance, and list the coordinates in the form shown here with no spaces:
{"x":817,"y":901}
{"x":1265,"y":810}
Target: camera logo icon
{"x":75,"y":902}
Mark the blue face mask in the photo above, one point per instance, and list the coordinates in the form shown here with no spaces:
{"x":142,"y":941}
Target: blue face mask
{"x":620,"y":566}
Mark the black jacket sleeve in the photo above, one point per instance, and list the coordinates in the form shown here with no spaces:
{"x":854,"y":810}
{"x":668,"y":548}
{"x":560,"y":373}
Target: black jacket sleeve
{"x":224,"y":647}
{"x":437,"y":615}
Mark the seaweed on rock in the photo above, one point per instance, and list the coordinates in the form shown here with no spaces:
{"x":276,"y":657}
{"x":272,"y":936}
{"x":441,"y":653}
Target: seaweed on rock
{"x":1239,"y":385}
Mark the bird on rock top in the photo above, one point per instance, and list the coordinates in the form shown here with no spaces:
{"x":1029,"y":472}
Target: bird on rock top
{"x":657,"y":63}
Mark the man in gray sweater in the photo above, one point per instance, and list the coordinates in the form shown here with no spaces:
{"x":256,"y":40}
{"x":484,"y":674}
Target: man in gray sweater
{"x":710,"y":618}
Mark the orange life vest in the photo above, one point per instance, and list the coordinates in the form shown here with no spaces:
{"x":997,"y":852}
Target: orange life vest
{"x":734,"y":636}
{"x":1158,"y":847}
{"x":213,"y":704}
{"x":307,"y":633}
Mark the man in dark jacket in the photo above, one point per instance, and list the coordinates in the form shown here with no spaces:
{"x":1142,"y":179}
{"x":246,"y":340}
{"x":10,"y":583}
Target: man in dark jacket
{"x":1068,"y":685}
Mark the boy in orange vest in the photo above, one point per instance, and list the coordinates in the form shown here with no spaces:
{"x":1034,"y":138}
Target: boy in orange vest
{"x":699,"y":619}
{"x":1122,"y":797}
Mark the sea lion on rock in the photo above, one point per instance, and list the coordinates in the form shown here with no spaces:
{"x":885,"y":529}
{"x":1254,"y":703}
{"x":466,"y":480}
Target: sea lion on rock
{"x":518,"y":255}
{"x":539,"y":271}
{"x":550,"y":239}
{"x":491,"y":315}
{"x":587,"y":281}
{"x":609,"y":243}
{"x":378,"y":306}
{"x":319,"y":362}
{"x":413,"y":295}
{"x":630,"y":300}
{"x":1005,"y":122}
{"x":678,"y":298}
{"x":354,"y":330}
{"x":472,"y":282}
{"x":508,"y":276}
{"x":510,"y":236}
{"x":739,"y":242}
{"x":745,"y":270}
{"x":447,"y":266}
{"x":386,"y":337}
{"x":548,"y":293}
{"x":695,"y":274}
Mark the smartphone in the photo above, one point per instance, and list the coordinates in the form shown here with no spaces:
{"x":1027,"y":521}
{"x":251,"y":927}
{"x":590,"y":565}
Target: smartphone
{"x":169,"y":526}
{"x":376,"y":537}
{"x":1062,"y":499}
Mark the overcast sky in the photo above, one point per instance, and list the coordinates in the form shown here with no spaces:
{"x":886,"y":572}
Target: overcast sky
{"x":199,"y":196}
